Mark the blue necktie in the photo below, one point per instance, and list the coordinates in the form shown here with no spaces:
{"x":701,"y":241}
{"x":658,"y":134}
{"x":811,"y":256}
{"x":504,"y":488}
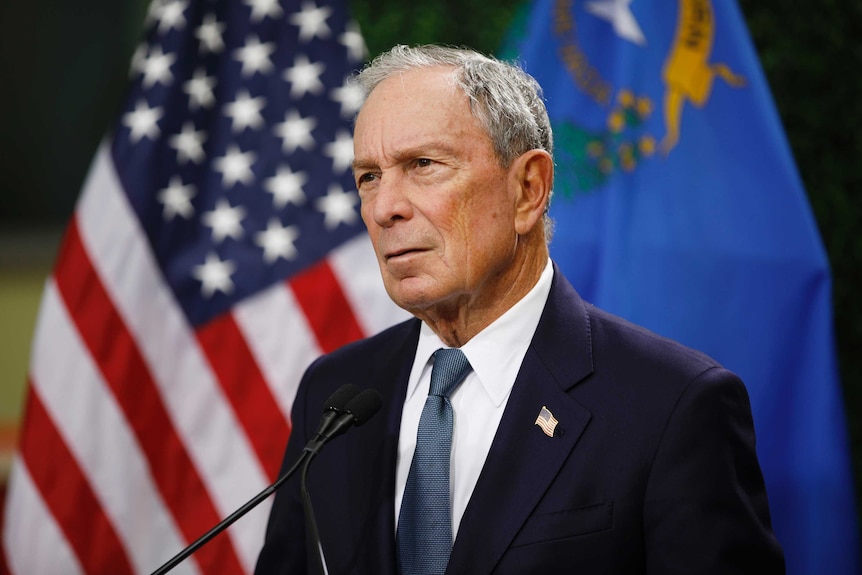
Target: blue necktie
{"x":425,"y":522}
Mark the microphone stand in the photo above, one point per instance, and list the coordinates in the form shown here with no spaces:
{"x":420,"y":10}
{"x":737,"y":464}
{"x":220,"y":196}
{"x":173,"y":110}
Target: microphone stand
{"x":230,"y":519}
{"x":345,"y":408}
{"x":336,"y":426}
{"x":315,"y":548}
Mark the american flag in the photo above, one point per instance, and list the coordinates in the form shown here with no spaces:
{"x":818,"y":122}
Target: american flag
{"x":216,"y":249}
{"x":547,"y":421}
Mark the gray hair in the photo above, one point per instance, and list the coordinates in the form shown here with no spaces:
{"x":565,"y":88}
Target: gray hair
{"x":505,"y":100}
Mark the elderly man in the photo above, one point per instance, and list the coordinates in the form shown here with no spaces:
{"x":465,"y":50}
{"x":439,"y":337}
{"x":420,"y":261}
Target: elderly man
{"x":523,"y":430}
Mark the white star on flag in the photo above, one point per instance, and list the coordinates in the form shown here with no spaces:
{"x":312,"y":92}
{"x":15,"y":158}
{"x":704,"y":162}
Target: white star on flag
{"x":349,"y":95}
{"x":353,"y":41}
{"x":277,"y":241}
{"x":143,"y":121}
{"x":341,"y":151}
{"x":188,"y":144}
{"x":245,"y":111}
{"x":286,"y":187}
{"x":176,"y":199}
{"x":170,"y":15}
{"x":337,"y":206}
{"x":619,"y":14}
{"x":261,"y":9}
{"x":200,"y":90}
{"x":138,"y":58}
{"x":312,"y":21}
{"x":295,"y":132}
{"x":214,"y":275}
{"x":225,"y":221}
{"x":157,"y":68}
{"x":154,"y":12}
{"x":235,"y":166}
{"x":304,"y":77}
{"x":255,"y":56}
{"x":210,"y":35}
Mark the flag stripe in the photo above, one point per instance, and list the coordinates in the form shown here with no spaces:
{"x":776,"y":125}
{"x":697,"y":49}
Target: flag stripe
{"x":329,"y":313}
{"x":244,"y":384}
{"x":280,"y":338}
{"x":120,"y":254}
{"x":32,"y":540}
{"x":128,"y":375}
{"x":56,"y":474}
{"x":112,"y":462}
{"x":356,"y":265}
{"x":4,"y":565}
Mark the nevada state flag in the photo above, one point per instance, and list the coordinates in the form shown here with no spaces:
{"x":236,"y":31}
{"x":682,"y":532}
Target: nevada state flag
{"x":678,"y":206}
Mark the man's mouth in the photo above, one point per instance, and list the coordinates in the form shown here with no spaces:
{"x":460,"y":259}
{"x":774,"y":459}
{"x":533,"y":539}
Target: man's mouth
{"x":401,"y":252}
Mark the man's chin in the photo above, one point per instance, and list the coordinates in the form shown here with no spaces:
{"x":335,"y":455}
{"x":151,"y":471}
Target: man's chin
{"x":411,"y":294}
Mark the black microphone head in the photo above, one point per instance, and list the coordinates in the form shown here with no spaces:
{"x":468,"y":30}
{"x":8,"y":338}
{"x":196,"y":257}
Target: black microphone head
{"x":338,"y":401}
{"x":334,"y":406}
{"x":364,"y":405}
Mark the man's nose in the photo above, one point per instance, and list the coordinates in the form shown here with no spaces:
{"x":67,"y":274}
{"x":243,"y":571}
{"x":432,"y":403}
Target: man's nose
{"x":391,"y":201}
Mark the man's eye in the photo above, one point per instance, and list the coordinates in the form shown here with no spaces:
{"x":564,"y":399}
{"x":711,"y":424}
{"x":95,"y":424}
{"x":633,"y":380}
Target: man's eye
{"x":365,"y":178}
{"x":423,"y":162}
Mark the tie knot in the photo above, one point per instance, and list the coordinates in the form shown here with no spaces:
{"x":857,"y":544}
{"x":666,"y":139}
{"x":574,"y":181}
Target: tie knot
{"x":450,"y":368}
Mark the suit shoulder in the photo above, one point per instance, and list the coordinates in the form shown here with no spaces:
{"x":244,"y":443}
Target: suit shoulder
{"x":659,"y":375}
{"x":383,"y":339}
{"x":356,"y":357}
{"x":618,"y":337}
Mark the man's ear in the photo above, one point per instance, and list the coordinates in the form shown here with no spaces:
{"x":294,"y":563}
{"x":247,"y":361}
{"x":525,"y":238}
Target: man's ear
{"x":533,"y":173}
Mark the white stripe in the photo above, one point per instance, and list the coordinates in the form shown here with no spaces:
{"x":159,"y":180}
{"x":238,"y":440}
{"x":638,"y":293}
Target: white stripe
{"x":32,"y":540}
{"x":280,"y":339}
{"x":356,"y":268}
{"x":86,"y":414}
{"x":196,"y":404}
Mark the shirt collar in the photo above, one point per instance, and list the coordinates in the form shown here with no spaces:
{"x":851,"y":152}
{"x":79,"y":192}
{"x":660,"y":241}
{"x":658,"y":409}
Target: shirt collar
{"x":495,"y":353}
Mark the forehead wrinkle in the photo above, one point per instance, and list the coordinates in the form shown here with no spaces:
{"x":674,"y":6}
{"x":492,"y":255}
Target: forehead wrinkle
{"x":402,"y":87}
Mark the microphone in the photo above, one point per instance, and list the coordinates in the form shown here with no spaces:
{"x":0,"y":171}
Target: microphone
{"x":344,"y":408}
{"x":335,"y":405}
{"x":357,"y":411}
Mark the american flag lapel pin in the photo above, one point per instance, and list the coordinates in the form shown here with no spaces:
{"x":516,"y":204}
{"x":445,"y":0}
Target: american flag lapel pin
{"x":547,"y":421}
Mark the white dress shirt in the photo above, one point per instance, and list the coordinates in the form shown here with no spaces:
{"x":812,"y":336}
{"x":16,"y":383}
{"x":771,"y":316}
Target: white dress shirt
{"x":496,"y":354}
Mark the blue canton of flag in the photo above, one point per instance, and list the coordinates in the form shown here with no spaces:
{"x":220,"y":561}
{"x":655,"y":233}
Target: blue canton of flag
{"x":678,"y":206}
{"x":236,"y":146}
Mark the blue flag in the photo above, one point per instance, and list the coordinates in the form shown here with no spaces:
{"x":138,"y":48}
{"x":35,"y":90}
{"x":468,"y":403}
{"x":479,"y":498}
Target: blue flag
{"x":678,"y":206}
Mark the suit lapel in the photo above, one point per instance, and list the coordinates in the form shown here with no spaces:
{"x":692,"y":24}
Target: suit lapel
{"x":523,"y":460}
{"x":373,"y":454}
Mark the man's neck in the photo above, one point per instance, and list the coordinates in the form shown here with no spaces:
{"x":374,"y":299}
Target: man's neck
{"x":459,"y":322}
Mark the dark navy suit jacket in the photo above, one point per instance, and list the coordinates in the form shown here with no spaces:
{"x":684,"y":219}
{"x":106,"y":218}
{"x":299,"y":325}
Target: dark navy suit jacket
{"x":653,"y":469}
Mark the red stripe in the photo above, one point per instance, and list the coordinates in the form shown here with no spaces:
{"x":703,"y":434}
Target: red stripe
{"x":320,"y":296}
{"x":68,"y":494}
{"x":126,"y":372}
{"x":8,"y":441}
{"x":246,"y":388}
{"x":4,"y":566}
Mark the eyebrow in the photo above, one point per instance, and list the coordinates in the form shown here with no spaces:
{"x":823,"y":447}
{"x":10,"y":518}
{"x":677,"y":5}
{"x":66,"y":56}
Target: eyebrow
{"x":363,"y":165}
{"x":430,"y":148}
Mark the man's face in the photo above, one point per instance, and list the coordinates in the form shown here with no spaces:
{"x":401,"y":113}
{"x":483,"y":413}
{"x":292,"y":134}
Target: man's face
{"x":438,"y":206}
